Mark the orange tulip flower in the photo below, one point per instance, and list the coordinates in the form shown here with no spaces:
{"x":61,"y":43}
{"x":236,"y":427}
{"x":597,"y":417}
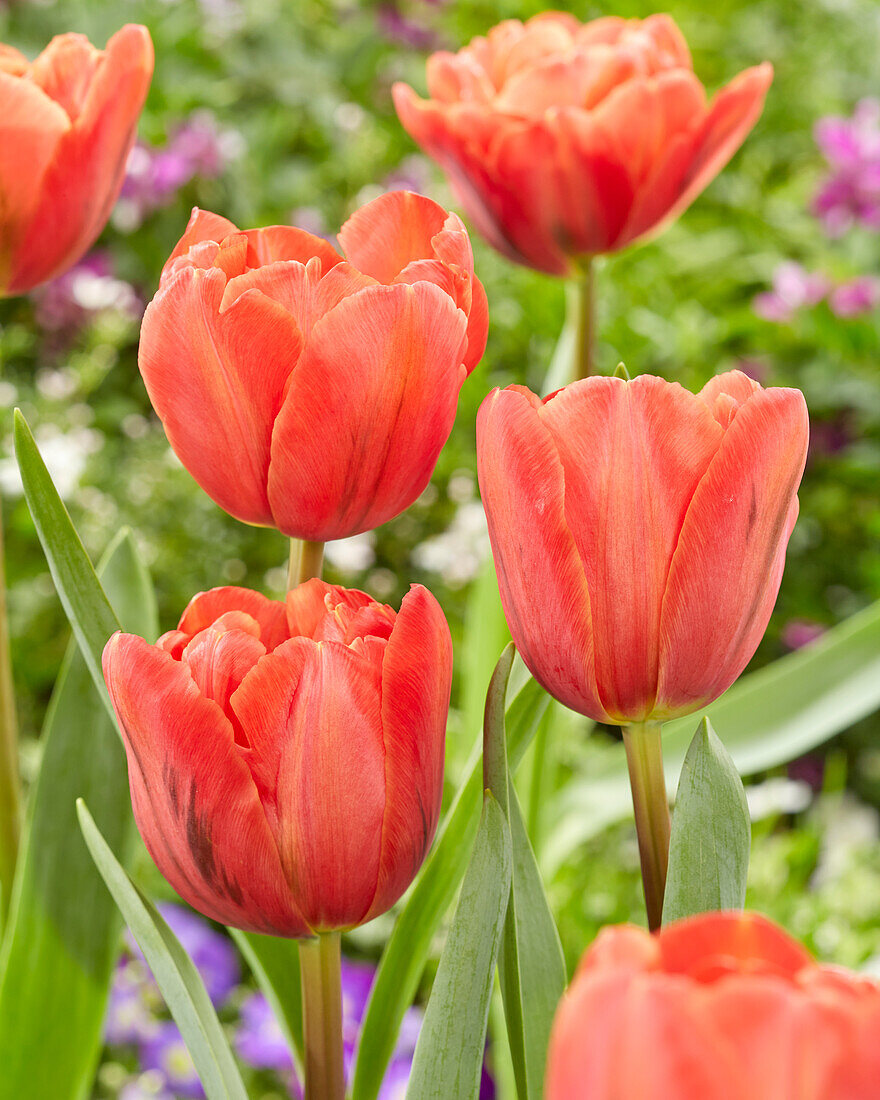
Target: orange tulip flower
{"x":67,"y":123}
{"x":639,"y":533}
{"x":286,"y":761}
{"x":564,"y":140}
{"x":305,"y":392}
{"x":723,"y":1006}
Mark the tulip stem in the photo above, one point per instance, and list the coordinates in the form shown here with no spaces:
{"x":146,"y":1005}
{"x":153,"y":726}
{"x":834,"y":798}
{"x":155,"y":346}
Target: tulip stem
{"x":306,"y":561}
{"x":582,"y":307}
{"x":10,"y":786}
{"x":644,"y":757}
{"x":320,"y":968}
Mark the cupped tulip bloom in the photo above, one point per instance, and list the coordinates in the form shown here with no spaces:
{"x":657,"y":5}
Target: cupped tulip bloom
{"x":563,"y":139}
{"x":67,"y":123}
{"x":639,"y":533}
{"x":722,"y":1006}
{"x":286,"y":760}
{"x":307,"y":392}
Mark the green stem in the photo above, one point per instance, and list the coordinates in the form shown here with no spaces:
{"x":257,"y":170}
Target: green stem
{"x":320,"y":969}
{"x":581,"y":305}
{"x":10,"y":788}
{"x":644,"y":757}
{"x":306,"y":561}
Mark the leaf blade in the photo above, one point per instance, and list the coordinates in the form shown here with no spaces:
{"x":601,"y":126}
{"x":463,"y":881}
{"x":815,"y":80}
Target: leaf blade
{"x":711,"y":833}
{"x":63,"y":935}
{"x":449,"y":1052}
{"x":85,"y":603}
{"x":177,"y":978}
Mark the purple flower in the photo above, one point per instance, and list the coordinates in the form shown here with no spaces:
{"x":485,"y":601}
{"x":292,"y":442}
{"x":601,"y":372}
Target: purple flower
{"x":855,"y":297}
{"x":808,"y":769}
{"x":850,"y":193}
{"x":259,"y":1039}
{"x":397,"y":27}
{"x":154,"y":175}
{"x":830,"y":437}
{"x":212,"y":952}
{"x":67,"y":303}
{"x":165,"y":1052}
{"x":396,"y":1079}
{"x":794,"y":288}
{"x":149,"y":1086}
{"x":800,"y":632}
{"x":129,"y":1016}
{"x":412,"y":174}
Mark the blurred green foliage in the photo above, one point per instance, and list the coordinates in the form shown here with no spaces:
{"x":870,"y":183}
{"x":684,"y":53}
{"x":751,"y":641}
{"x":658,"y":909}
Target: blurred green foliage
{"x":306,"y":86}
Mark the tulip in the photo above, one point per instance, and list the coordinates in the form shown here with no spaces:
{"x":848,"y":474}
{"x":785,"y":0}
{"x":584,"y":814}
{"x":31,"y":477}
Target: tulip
{"x":286,"y":760}
{"x":639,"y":533}
{"x":307,"y":392}
{"x":565,"y":140}
{"x":722,"y":1006}
{"x":639,"y":536}
{"x":67,"y":123}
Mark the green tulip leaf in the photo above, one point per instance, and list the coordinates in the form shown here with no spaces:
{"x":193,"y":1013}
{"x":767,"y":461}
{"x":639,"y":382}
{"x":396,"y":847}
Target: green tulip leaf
{"x":85,"y":604}
{"x":711,"y":833}
{"x":449,"y":1052}
{"x":178,"y":980}
{"x":64,"y":930}
{"x":531,"y":965}
{"x":409,"y":947}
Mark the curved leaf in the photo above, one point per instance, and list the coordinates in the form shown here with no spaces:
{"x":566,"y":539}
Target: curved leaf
{"x":177,"y":978}
{"x":64,"y":931}
{"x":711,"y":833}
{"x":449,"y":1052}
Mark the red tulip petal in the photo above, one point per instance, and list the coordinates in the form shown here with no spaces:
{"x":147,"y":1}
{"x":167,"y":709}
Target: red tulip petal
{"x":287,"y":242}
{"x":65,"y":70}
{"x":452,"y":77}
{"x":84,"y":178}
{"x":705,"y":946}
{"x":202,"y":226}
{"x":458,"y":137}
{"x":633,"y":1037}
{"x":307,"y":605}
{"x":543,"y":589}
{"x":311,"y":714}
{"x":31,"y":127}
{"x":219,"y":659}
{"x":788,"y":1045}
{"x":727,"y":567}
{"x":300,"y":288}
{"x":383,"y":236}
{"x":194,"y":799}
{"x":632,"y":454}
{"x":216,"y":381}
{"x":732,"y":114}
{"x":668,"y":39}
{"x":369,"y":407}
{"x":204,"y":609}
{"x":416,"y":683}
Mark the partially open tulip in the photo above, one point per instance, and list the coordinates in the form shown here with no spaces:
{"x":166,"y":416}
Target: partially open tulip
{"x":286,"y":761}
{"x":639,"y":533}
{"x":306,"y":392}
{"x":723,"y":1006}
{"x":67,"y":123}
{"x":563,"y":139}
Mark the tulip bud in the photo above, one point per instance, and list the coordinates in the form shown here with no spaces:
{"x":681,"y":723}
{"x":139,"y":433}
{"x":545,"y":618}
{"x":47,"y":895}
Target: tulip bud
{"x":639,"y":533}
{"x":305,"y":392}
{"x":722,"y":1006}
{"x":286,"y":761}
{"x":67,"y":123}
{"x":563,"y":139}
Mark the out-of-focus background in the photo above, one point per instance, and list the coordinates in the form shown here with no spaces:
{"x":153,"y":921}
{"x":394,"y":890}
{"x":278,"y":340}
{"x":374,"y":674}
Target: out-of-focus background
{"x":280,"y":111}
